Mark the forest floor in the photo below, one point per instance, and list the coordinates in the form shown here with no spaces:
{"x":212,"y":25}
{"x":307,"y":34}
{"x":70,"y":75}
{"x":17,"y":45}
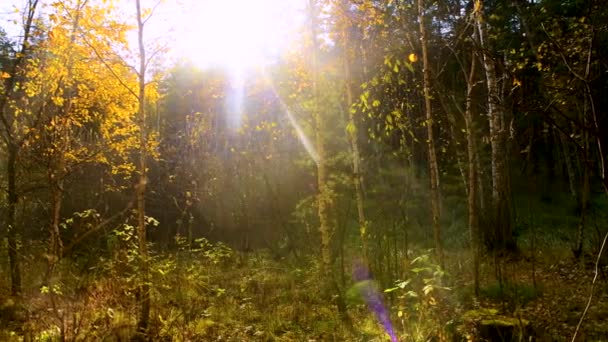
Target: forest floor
{"x":556,"y":303}
{"x":254,"y":297}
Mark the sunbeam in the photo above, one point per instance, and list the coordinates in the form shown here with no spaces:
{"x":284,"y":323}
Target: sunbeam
{"x":310,"y":149}
{"x":235,"y":94}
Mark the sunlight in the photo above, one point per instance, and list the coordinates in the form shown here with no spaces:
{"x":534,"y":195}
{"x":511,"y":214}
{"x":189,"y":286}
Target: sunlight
{"x":235,"y":98}
{"x":236,"y":34}
{"x":306,"y":143}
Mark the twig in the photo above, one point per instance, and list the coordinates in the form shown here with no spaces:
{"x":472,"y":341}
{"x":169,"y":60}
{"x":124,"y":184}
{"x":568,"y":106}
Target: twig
{"x":597,"y":263}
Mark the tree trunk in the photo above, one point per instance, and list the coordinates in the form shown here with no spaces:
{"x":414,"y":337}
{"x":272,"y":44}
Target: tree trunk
{"x":57,"y":172}
{"x":324,"y":198}
{"x":502,"y":236}
{"x":583,"y":198}
{"x":353,"y":134}
{"x":13,"y":145}
{"x":433,"y":166}
{"x":569,"y":167}
{"x":473,"y":177}
{"x":55,"y":244}
{"x":140,"y":188}
{"x":13,"y":236}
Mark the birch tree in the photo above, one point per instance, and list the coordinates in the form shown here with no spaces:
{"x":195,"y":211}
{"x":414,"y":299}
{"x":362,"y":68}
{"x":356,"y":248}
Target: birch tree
{"x":433,"y":164}
{"x":501,"y":237}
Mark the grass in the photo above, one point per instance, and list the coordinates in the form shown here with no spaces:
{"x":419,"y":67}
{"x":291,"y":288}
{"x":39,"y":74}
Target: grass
{"x":519,"y":293}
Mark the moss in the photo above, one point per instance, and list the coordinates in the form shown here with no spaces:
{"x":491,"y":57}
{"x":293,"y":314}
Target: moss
{"x":473,"y":315}
{"x":505,"y":321}
{"x":487,"y":316}
{"x":488,"y":324}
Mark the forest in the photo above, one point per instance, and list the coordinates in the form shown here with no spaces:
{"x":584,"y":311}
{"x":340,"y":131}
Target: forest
{"x":395,"y":170}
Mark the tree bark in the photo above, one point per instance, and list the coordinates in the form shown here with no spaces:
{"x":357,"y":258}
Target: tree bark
{"x":57,"y":165}
{"x":55,"y":244}
{"x":13,"y":145}
{"x":473,"y":176}
{"x":324,"y":197}
{"x":353,"y":134}
{"x":140,"y":188}
{"x":502,"y":236}
{"x":583,"y":198}
{"x":13,"y":234}
{"x":433,"y":165}
{"x":569,"y":166}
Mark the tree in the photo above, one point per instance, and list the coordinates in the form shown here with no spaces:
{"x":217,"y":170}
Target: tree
{"x":473,"y":173}
{"x":14,"y":134}
{"x":324,"y":197}
{"x":433,"y":165}
{"x":568,"y":51}
{"x":501,"y":238}
{"x":346,"y":26}
{"x":140,"y":187}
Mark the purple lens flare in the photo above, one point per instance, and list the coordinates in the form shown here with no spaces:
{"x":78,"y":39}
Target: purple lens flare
{"x":373,"y":297}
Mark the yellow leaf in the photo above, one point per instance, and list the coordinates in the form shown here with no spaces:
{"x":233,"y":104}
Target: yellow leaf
{"x":5,"y":75}
{"x":412,"y":58}
{"x":477,"y":7}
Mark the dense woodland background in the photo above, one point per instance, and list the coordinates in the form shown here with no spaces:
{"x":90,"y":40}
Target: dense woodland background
{"x":446,"y":155}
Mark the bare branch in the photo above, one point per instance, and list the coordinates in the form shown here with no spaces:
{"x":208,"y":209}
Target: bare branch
{"x":561,"y":53}
{"x":67,"y":250}
{"x":110,"y":68}
{"x":597,"y":263}
{"x":151,"y":12}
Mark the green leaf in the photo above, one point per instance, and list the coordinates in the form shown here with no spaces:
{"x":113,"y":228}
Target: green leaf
{"x":403,"y":284}
{"x":350,"y":128}
{"x":409,"y":66}
{"x":391,"y":289}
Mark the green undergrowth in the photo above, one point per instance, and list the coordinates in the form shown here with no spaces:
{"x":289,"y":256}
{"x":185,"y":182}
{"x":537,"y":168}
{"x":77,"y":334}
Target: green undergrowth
{"x":200,"y":292}
{"x":204,"y":291}
{"x":519,"y":293}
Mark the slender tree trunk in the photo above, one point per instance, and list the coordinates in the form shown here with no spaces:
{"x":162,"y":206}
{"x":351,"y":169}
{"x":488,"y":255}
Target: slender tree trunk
{"x":353,"y":134}
{"x":502,"y":237}
{"x":473,"y":177}
{"x":433,"y":165}
{"x":141,"y":185}
{"x":13,"y":236}
{"x":13,"y":145}
{"x":60,"y":136}
{"x":569,"y":167}
{"x":583,"y":198}
{"x":55,"y":244}
{"x":324,"y":197}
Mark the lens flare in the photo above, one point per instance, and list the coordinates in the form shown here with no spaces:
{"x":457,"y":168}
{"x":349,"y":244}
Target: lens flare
{"x":369,"y":291}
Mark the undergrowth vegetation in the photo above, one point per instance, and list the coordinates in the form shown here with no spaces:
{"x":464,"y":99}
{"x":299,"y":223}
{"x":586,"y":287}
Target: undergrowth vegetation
{"x":205,"y":291}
